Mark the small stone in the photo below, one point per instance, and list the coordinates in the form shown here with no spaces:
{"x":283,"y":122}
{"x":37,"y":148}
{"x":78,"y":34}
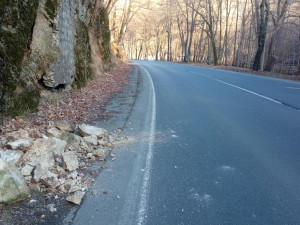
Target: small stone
{"x":102,"y":142}
{"x":51,"y":208}
{"x":32,"y":201}
{"x":99,"y":152}
{"x":76,"y":197}
{"x":109,"y":145}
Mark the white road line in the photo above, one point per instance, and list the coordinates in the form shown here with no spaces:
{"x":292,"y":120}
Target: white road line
{"x":297,"y":88}
{"x":143,"y":205}
{"x":243,"y":89}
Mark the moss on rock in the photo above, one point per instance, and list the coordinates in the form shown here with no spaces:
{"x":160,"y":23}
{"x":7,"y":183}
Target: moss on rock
{"x":83,"y":57}
{"x":51,"y":8}
{"x":18,"y":92}
{"x":100,"y":25}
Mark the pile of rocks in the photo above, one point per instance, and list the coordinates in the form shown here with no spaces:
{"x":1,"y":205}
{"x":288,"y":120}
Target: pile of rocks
{"x":50,"y":162}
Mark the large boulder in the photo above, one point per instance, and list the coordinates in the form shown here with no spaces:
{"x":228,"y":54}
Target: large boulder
{"x":13,"y":187}
{"x":86,"y":130}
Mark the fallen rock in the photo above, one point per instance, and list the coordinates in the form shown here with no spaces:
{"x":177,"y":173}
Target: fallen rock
{"x":84,"y":146}
{"x":41,"y":153}
{"x":35,"y":133}
{"x":57,"y":146}
{"x":53,"y":132}
{"x":91,"y":140}
{"x":74,"y":188}
{"x":71,"y":139}
{"x":50,"y":179}
{"x":12,"y":157}
{"x":99,"y":152}
{"x":70,"y":161}
{"x":27,"y":170}
{"x":64,"y":126}
{"x":87,"y":130}
{"x":13,"y":187}
{"x":51,"y":207}
{"x":20,"y":134}
{"x":102,"y":142}
{"x":76,"y":197}
{"x":19,"y":144}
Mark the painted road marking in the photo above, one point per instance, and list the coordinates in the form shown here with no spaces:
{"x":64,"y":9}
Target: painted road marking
{"x":297,"y":88}
{"x":143,"y":205}
{"x":243,"y":89}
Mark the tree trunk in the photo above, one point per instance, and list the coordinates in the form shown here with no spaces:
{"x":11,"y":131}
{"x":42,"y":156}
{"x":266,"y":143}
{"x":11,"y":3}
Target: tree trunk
{"x":263,"y":24}
{"x":271,"y":56}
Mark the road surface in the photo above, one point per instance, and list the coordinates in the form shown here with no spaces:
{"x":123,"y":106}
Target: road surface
{"x":208,"y":147}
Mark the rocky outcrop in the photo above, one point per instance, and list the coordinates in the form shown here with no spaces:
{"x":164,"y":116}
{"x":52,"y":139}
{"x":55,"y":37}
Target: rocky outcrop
{"x":60,"y":43}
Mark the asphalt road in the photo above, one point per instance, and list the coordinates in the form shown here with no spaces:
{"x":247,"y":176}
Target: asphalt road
{"x":212,"y":147}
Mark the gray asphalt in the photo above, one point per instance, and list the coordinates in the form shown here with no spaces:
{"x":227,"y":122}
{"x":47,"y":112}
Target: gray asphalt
{"x":226,"y":151}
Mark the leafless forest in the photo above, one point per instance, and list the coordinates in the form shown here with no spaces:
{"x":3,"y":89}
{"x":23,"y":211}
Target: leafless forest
{"x":256,"y":34}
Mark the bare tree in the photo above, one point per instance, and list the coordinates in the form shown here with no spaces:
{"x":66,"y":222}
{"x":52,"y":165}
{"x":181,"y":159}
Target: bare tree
{"x":262,"y":13}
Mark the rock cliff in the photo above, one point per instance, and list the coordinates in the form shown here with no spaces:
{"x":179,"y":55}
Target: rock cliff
{"x":54,"y":43}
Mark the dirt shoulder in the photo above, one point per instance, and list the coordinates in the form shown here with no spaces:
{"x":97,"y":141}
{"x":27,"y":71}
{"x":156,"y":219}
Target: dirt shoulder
{"x":249,"y":71}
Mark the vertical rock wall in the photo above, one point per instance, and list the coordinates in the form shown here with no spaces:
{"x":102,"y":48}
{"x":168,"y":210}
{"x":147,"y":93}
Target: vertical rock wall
{"x":18,"y":91}
{"x":64,"y":68}
{"x":55,"y":42}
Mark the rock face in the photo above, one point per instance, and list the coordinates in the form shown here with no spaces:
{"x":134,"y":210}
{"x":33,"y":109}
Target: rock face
{"x":12,"y":184}
{"x":57,"y":42}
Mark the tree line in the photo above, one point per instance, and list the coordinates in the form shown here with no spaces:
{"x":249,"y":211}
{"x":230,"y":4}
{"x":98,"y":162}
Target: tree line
{"x":256,"y":34}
